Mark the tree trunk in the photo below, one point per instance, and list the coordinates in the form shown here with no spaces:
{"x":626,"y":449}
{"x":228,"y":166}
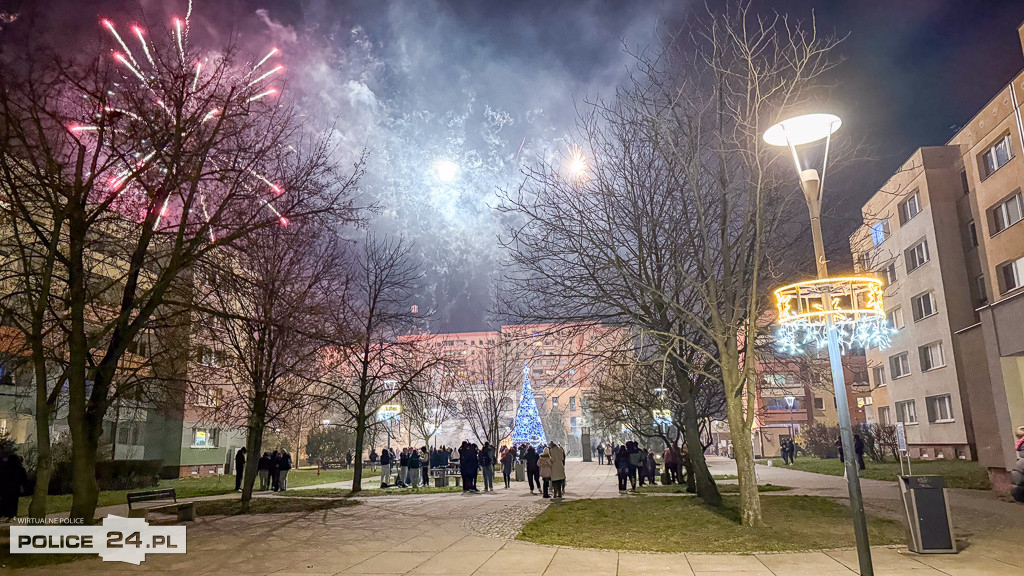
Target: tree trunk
{"x":253,"y":447}
{"x":357,"y":469}
{"x":85,"y":490}
{"x":743,"y":449}
{"x":704,"y":483}
{"x":44,"y":459}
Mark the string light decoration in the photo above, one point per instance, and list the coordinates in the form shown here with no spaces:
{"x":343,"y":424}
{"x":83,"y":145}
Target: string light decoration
{"x":173,"y":71}
{"x":528,"y":428}
{"x":856,"y":312}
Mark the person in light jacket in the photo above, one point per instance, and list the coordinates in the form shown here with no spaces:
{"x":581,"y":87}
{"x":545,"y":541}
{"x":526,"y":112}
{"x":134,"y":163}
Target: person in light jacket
{"x":286,"y":465}
{"x":557,"y":469}
{"x":544,"y":464}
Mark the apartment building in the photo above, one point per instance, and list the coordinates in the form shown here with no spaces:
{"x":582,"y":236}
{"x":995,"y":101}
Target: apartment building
{"x":992,"y":348}
{"x":945,"y":234}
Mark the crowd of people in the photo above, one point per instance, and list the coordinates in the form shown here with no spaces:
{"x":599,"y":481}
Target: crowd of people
{"x":271,"y":470}
{"x":634,"y":464}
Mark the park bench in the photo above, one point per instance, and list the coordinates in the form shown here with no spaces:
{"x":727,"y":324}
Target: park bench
{"x":441,"y":475}
{"x":334,"y":465}
{"x":184,"y":510}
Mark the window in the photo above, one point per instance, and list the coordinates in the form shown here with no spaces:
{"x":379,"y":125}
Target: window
{"x":940,"y":408}
{"x":931,"y":356}
{"x":910,"y":207}
{"x":204,"y":437}
{"x":963,"y":182}
{"x":899,"y":365}
{"x":554,"y":401}
{"x":783,"y":404}
{"x":890,"y":273}
{"x":884,"y":418}
{"x":972,"y":233}
{"x":572,"y":403}
{"x":819,"y":403}
{"x":896,"y":318}
{"x":1006,"y":213}
{"x":979,"y":281}
{"x":906,"y":412}
{"x":878,"y":373}
{"x":880,"y":231}
{"x":995,"y":157}
{"x":923,"y":305}
{"x":916,"y":255}
{"x":1012,"y":274}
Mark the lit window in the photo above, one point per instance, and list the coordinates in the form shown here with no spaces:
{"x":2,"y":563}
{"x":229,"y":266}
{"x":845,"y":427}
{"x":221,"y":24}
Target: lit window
{"x":910,"y":207}
{"x":931,"y":356}
{"x":899,"y":365}
{"x":916,"y":255}
{"x":1007,"y":213}
{"x":996,"y":157}
{"x":204,"y":437}
{"x":1012,"y":274}
{"x":906,"y":412}
{"x":880,"y":231}
{"x":923,"y":306}
{"x":896,"y":318}
{"x":940,"y":408}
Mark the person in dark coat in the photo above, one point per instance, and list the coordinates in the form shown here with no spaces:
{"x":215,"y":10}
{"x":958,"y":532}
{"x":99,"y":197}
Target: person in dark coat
{"x":533,"y":468}
{"x":636,"y":460}
{"x":282,"y":474}
{"x":622,"y":467}
{"x":12,"y":481}
{"x":263,"y":469}
{"x":507,"y":460}
{"x":650,"y":467}
{"x":858,"y":448}
{"x":239,"y":468}
{"x":1017,"y":475}
{"x":373,"y":457}
{"x":487,"y":466}
{"x":385,"y":468}
{"x":348,"y":458}
{"x":473,"y":466}
{"x":275,"y":470}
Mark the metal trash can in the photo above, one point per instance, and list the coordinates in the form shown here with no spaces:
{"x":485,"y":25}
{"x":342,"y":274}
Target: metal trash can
{"x":928,"y":519}
{"x":520,"y":471}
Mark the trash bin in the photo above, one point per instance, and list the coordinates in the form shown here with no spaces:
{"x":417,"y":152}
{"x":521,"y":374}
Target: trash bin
{"x":928,"y":520}
{"x":520,"y":471}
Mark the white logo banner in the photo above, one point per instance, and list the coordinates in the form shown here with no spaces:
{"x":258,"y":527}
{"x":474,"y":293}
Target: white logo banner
{"x":117,"y":540}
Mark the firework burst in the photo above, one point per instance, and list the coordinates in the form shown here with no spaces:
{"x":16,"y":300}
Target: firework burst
{"x":171,"y":72}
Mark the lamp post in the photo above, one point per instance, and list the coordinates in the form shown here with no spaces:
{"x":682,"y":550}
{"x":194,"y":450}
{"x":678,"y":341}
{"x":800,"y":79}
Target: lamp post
{"x":791,"y":401}
{"x":792,"y":133}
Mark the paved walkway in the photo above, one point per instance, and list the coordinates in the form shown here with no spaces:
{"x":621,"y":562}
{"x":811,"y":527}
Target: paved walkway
{"x":471,"y":535}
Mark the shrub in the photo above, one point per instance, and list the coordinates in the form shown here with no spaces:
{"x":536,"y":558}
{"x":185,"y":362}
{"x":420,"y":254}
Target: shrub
{"x":820,"y":440}
{"x":110,"y":475}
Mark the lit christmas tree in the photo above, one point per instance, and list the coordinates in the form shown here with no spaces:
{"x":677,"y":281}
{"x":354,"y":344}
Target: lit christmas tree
{"x":528,"y":428}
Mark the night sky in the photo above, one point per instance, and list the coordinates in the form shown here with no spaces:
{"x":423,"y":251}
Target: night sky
{"x":493,"y":85}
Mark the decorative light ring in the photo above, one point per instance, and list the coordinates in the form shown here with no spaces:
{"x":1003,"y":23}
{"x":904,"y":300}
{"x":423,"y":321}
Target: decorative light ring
{"x":856,"y":312}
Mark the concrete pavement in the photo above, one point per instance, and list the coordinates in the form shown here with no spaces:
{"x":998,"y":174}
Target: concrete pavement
{"x":455,"y":534}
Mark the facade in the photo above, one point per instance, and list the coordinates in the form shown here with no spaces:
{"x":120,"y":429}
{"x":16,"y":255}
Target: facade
{"x":795,"y":392}
{"x":960,"y":385}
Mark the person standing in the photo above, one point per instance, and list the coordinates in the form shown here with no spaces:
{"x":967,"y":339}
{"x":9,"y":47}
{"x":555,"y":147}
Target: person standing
{"x":385,"y":468}
{"x":414,"y":467}
{"x":557,"y":469}
{"x":636,"y":459}
{"x":650,"y":467}
{"x":609,"y":454}
{"x":784,"y":449}
{"x":622,"y":467}
{"x":487,"y":466}
{"x":858,"y":449}
{"x":13,"y":478}
{"x":1017,"y":474}
{"x":544,"y":464}
{"x":286,"y":465}
{"x":263,"y":469}
{"x":239,"y":467}
{"x":600,"y":454}
{"x":473,"y":466}
{"x":373,"y":458}
{"x":275,"y":470}
{"x":508,"y":458}
{"x":403,"y":468}
{"x":532,"y":468}
{"x":348,"y":459}
{"x":671,"y":460}
{"x":424,"y":466}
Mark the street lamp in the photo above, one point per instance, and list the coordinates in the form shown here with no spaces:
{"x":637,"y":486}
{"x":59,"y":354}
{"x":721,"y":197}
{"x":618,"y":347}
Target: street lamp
{"x":791,"y":401}
{"x":792,"y":133}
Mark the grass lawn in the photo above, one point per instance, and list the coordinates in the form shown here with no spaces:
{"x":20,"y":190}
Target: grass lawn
{"x":687,"y":525}
{"x":192,"y":488}
{"x":722,"y":488}
{"x":958,"y":473}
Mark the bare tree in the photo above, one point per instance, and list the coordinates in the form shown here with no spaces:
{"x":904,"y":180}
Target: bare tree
{"x":431,"y":400}
{"x":375,"y":360}
{"x":126,"y":172}
{"x":488,"y":391}
{"x":263,"y":310}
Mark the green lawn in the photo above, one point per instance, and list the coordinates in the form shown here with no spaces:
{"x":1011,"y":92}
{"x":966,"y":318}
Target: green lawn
{"x":958,"y":473}
{"x":687,"y":525}
{"x":722,"y":488}
{"x":192,"y":488}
